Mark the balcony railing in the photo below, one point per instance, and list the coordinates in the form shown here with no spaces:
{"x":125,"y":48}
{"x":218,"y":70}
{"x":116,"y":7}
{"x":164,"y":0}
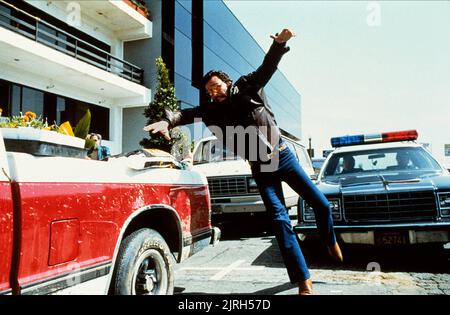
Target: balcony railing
{"x":42,"y":32}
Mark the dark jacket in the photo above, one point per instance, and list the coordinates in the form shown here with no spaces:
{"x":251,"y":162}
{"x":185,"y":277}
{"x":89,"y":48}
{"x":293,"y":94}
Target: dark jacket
{"x":246,"y":106}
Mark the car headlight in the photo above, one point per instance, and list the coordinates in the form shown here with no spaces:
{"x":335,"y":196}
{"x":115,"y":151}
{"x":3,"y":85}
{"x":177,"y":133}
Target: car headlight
{"x":252,"y":187}
{"x":444,"y":203}
{"x":308,"y":212}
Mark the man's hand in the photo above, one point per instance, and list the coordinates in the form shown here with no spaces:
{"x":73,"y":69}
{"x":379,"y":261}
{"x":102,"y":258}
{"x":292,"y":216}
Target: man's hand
{"x":283,"y":37}
{"x":160,"y":126}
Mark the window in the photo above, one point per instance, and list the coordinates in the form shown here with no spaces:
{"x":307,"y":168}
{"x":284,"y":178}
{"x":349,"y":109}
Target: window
{"x":32,"y":101}
{"x":16,"y":99}
{"x":303,"y":156}
{"x":4,"y":98}
{"x":407,"y":160}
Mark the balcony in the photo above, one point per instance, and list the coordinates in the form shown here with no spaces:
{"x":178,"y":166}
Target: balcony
{"x":129,"y":19}
{"x":139,"y":5}
{"x":35,"y":46}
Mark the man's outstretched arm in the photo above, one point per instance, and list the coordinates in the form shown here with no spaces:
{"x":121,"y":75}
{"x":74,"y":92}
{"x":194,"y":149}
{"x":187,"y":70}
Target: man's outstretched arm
{"x":173,"y":119}
{"x":262,"y":75}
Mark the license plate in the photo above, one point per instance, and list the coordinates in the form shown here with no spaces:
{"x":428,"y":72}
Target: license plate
{"x":216,"y":209}
{"x":391,"y":238}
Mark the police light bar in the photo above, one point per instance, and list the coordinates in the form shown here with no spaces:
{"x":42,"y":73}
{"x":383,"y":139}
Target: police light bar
{"x":407,"y":135}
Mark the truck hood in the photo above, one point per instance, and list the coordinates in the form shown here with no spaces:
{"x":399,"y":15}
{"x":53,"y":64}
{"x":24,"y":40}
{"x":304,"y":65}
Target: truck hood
{"x":223,"y":168}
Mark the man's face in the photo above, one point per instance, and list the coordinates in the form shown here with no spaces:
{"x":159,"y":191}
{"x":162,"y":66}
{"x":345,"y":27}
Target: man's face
{"x":403,"y":160}
{"x":217,"y":89}
{"x":96,"y":140}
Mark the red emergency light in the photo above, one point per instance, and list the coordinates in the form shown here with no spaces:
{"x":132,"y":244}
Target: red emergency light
{"x":407,"y":135}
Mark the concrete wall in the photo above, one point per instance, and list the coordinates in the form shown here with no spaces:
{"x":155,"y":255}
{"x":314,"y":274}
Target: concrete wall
{"x":142,"y":53}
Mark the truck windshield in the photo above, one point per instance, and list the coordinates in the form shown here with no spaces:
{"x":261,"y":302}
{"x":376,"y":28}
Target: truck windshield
{"x":402,"y":161}
{"x":213,"y":151}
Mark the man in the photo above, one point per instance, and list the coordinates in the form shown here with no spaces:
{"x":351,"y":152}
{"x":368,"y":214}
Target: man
{"x":349,"y":165}
{"x":402,"y":162}
{"x":97,"y":151}
{"x":244,"y":104}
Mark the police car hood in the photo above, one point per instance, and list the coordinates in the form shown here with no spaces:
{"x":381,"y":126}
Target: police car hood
{"x":376,"y":183}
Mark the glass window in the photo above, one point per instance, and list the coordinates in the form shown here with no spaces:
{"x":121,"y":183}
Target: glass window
{"x":4,"y":20}
{"x":187,"y":4}
{"x":4,"y":98}
{"x":183,"y":55}
{"x":220,"y":153}
{"x":100,"y":120}
{"x":303,"y":156}
{"x":402,"y":160}
{"x":202,"y":155}
{"x":74,"y":110}
{"x":32,"y":101}
{"x":185,"y":92}
{"x":54,"y":108}
{"x":229,"y":47}
{"x":16,"y":100}
{"x":60,"y":107}
{"x":292,"y":148}
{"x":183,"y":18}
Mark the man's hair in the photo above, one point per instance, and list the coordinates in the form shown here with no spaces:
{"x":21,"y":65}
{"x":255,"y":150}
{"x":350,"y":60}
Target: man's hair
{"x":220,"y":74}
{"x":93,"y":134}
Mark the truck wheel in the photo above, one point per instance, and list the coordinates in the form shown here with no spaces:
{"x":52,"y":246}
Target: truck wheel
{"x":144,"y":265}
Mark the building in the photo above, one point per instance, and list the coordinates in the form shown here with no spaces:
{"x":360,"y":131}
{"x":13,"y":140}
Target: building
{"x":58,"y":58}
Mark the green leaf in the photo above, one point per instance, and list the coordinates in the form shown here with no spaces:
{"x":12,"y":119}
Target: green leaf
{"x":83,"y":126}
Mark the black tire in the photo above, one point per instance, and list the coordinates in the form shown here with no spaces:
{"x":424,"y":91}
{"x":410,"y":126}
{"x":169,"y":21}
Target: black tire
{"x":144,"y":265}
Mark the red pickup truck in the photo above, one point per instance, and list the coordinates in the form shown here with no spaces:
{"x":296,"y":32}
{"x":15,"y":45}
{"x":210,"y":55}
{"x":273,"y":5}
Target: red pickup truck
{"x":71,"y":225}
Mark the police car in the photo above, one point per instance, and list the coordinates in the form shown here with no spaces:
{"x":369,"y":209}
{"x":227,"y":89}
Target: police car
{"x":385,"y":189}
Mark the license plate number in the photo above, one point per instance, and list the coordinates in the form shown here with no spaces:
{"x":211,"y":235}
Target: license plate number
{"x":391,"y":238}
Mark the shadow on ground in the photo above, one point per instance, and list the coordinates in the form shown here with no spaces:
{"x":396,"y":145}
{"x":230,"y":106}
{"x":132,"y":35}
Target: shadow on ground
{"x":428,"y":259}
{"x":420,"y":259}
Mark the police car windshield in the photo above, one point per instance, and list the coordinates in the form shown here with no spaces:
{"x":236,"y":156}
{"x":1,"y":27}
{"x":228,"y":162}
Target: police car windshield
{"x":402,"y":160}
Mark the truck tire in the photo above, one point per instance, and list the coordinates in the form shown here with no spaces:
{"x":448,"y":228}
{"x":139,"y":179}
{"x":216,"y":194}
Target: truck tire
{"x":144,"y":265}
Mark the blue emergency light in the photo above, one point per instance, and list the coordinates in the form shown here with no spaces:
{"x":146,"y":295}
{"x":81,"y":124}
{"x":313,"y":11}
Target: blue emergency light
{"x":407,"y":135}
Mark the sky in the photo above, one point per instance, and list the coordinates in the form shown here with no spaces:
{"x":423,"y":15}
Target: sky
{"x":362,"y":66}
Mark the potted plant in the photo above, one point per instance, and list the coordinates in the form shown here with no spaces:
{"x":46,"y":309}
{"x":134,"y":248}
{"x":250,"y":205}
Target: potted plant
{"x":164,"y":99}
{"x":31,"y":134}
{"x":139,"y":6}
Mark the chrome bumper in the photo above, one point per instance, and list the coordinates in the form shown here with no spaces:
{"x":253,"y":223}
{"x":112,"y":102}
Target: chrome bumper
{"x":420,"y":233}
{"x":215,"y":236}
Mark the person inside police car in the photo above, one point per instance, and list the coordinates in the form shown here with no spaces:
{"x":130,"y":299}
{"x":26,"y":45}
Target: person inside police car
{"x":403,"y":161}
{"x":244,"y":104}
{"x":348,"y":164}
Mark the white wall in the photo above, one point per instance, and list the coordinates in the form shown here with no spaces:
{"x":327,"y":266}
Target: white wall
{"x":61,"y":11}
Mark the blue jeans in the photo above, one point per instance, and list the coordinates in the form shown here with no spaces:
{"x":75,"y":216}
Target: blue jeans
{"x":269,"y":184}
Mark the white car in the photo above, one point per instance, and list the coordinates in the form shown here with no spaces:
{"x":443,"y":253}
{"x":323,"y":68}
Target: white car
{"x":232,"y":188}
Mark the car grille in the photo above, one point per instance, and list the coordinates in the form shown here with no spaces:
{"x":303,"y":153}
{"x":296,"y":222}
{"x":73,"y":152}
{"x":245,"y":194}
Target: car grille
{"x":227,"y":186}
{"x":390,"y":206}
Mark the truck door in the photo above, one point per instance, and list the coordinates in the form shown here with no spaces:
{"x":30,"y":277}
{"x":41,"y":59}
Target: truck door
{"x":6,"y":223}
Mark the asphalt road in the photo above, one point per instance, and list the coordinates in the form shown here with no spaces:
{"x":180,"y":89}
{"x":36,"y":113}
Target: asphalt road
{"x":247,"y":261}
